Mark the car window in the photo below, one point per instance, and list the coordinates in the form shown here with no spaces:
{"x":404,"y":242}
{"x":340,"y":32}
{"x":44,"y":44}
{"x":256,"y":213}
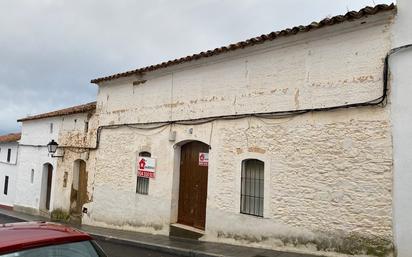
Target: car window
{"x":78,"y":249}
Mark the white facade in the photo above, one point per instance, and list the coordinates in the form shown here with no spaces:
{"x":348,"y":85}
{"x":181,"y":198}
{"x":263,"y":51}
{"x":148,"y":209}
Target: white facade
{"x":328,"y":175}
{"x":34,"y":160}
{"x":8,"y":172}
{"x":401,"y":87}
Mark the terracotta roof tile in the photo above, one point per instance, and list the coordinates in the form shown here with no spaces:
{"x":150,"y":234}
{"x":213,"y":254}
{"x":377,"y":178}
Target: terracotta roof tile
{"x":67,"y":111}
{"x":12,"y":137}
{"x":349,"y":16}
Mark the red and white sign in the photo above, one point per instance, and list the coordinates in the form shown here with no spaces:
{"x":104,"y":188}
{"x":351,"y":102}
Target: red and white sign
{"x":146,"y":167}
{"x":203,"y":159}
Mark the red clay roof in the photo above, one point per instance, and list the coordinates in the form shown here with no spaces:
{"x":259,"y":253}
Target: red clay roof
{"x":26,"y":235}
{"x":349,"y":16}
{"x":12,"y":137}
{"x":67,"y":111}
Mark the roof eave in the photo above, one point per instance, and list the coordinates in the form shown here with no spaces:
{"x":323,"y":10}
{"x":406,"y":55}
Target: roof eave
{"x":349,"y":16}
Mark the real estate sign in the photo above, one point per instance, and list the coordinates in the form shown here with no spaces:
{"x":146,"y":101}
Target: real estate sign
{"x":203,"y":159}
{"x":146,"y":167}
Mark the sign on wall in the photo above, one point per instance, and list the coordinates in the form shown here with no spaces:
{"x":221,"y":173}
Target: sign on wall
{"x":203,"y":159}
{"x":146,"y":167}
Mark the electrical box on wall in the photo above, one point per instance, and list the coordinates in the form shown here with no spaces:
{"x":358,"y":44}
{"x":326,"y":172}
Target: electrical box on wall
{"x":172,"y":136}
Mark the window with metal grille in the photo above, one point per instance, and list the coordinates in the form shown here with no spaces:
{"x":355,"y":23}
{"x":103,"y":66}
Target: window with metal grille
{"x":8,"y":155}
{"x":6,"y":185}
{"x":251,"y":193}
{"x":142,"y":186}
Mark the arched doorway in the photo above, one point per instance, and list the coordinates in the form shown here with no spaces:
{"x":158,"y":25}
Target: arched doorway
{"x":46,"y":187}
{"x":193,"y":184}
{"x":78,"y":195}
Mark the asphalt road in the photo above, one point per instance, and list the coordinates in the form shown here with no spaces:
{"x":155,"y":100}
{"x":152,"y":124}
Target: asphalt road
{"x":112,"y":249}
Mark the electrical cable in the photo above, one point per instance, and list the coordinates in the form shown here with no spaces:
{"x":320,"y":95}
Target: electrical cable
{"x":382,"y":100}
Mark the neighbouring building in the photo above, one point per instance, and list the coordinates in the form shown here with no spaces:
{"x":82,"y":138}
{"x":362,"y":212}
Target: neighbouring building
{"x":39,"y":188}
{"x":280,"y":141}
{"x":298,"y":139}
{"x":8,"y":160}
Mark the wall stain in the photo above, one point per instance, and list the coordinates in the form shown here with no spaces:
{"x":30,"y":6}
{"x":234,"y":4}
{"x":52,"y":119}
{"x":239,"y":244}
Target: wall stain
{"x":353,"y":243}
{"x":297,"y":99}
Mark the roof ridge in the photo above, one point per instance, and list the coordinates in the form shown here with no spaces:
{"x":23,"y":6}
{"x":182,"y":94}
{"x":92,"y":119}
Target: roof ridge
{"x":10,"y":137}
{"x":65,"y":111}
{"x":349,"y":16}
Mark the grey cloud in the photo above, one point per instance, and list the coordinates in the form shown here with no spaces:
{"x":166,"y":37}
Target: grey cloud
{"x":51,"y":49}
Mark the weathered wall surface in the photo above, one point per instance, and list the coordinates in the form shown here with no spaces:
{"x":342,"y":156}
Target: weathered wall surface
{"x":328,"y":176}
{"x":8,"y":169}
{"x":77,"y":134}
{"x":328,"y":67}
{"x":33,"y":154}
{"x":328,"y":180}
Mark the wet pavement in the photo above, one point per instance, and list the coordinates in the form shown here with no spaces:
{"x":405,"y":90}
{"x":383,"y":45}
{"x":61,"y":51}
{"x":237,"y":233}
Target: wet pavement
{"x":128,"y":243}
{"x":112,"y":249}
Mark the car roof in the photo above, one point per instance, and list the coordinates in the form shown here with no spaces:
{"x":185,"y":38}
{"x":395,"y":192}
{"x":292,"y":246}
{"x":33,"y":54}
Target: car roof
{"x":25,"y":235}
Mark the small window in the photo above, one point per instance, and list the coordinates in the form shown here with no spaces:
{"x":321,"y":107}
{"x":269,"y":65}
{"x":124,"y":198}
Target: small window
{"x":51,"y":128}
{"x":32,"y":176}
{"x":142,"y":186}
{"x":251,"y":195}
{"x":86,"y":126}
{"x":6,"y":184}
{"x":8,"y":155}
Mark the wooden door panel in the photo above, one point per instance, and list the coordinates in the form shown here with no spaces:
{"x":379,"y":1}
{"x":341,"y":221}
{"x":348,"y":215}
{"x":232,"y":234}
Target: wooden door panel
{"x":193,"y":186}
{"x":82,"y":187}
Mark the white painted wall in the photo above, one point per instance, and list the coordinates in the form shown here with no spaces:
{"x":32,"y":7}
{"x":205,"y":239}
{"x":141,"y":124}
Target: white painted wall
{"x":401,"y":86}
{"x":8,"y":169}
{"x":329,"y":173}
{"x":3,"y":152}
{"x":33,"y":154}
{"x":333,"y":66}
{"x":29,"y":192}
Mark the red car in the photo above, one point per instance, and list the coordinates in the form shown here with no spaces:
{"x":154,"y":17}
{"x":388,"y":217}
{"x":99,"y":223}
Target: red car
{"x":42,"y":239}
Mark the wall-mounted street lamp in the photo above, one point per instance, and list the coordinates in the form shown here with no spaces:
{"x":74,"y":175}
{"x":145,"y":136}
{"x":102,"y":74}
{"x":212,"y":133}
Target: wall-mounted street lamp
{"x":52,"y":148}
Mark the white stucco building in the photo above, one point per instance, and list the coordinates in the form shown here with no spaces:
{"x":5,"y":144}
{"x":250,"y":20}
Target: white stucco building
{"x":280,"y":141}
{"x":298,"y":139}
{"x":8,"y":168}
{"x":37,"y":188}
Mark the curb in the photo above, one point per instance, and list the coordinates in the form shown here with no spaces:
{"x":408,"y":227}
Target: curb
{"x":157,"y":247}
{"x":145,"y":245}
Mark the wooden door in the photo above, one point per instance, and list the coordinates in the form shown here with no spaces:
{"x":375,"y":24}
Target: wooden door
{"x":49,"y":185}
{"x":192,"y":186}
{"x":82,"y":187}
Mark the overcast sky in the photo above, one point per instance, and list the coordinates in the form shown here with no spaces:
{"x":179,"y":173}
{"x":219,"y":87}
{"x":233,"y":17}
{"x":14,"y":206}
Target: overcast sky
{"x":51,"y":49}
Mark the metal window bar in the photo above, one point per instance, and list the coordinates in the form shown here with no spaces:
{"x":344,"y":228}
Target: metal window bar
{"x":142,"y":185}
{"x":8,"y":155}
{"x":251,"y":195}
{"x":6,"y":185}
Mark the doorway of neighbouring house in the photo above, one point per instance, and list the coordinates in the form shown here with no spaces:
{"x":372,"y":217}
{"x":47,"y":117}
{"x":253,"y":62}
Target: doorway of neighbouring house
{"x":78,"y":195}
{"x":193,"y":184}
{"x":46,"y":186}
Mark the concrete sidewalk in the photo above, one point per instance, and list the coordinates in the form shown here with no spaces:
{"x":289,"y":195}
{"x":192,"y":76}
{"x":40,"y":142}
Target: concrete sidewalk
{"x":181,"y":247}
